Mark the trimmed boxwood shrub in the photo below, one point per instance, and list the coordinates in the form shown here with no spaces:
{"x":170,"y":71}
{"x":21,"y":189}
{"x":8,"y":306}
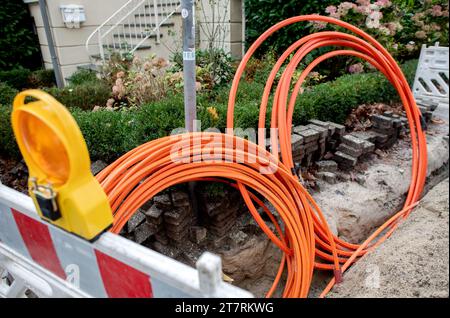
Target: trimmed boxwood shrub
{"x":42,"y":78}
{"x":110,"y":134}
{"x":8,"y":145}
{"x":85,"y":96}
{"x":23,"y":78}
{"x":17,"y":78}
{"x":83,"y":76}
{"x":7,"y":94}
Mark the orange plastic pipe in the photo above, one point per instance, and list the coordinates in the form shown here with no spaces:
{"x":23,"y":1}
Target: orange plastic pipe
{"x":307,"y":241}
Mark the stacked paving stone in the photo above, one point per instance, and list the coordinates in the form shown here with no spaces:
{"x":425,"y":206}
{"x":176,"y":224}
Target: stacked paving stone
{"x":351,"y":149}
{"x":177,"y":216}
{"x":326,"y":170}
{"x":387,"y":128}
{"x":167,"y":222}
{"x":165,"y":219}
{"x":311,"y":142}
{"x":219,"y":214}
{"x":307,"y":146}
{"x":335,"y":133}
{"x":427,"y":108}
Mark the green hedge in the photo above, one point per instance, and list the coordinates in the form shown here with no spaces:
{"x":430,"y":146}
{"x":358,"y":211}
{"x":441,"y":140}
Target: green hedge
{"x":7,"y":94}
{"x":110,"y":134}
{"x":83,"y":76}
{"x":17,"y":78}
{"x":84,"y":96}
{"x":22,"y":78}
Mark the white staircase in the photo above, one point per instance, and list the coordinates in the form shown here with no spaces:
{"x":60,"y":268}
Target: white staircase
{"x":137,"y":25}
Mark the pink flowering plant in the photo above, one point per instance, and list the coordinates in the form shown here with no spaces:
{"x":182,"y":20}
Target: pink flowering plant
{"x":399,"y":25}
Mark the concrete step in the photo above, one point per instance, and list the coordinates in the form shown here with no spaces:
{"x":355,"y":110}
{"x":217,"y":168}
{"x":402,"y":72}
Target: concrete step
{"x":175,"y":3}
{"x":147,"y":25}
{"x":90,"y":67}
{"x":152,"y":14}
{"x":135,"y":36}
{"x":125,"y":46}
{"x":98,"y":57}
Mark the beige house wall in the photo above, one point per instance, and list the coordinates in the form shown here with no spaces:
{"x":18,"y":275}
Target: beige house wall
{"x":220,"y":24}
{"x":70,"y":43}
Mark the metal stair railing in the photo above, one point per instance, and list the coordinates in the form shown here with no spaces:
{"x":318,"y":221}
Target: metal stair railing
{"x":136,"y":19}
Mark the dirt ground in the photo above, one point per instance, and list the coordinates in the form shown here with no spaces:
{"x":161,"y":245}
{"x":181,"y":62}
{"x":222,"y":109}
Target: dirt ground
{"x":414,"y":262}
{"x":379,"y":185}
{"x":376,"y":189}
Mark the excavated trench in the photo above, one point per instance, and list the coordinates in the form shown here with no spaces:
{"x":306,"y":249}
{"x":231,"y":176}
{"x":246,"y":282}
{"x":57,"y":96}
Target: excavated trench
{"x":361,"y":200}
{"x":357,"y":203}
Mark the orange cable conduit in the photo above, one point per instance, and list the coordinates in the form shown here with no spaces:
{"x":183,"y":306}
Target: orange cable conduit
{"x":307,"y":242}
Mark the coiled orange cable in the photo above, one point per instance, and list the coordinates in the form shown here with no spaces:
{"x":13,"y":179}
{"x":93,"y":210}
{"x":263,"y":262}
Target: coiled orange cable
{"x":306,"y":242}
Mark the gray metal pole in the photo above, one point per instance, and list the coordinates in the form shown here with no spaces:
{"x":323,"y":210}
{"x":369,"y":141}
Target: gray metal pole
{"x":190,"y":98}
{"x":51,"y":44}
{"x":190,"y":102}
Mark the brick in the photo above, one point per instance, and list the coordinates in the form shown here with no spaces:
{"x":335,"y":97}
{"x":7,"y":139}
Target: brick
{"x":307,"y":160}
{"x":389,"y":143}
{"x":338,"y":129}
{"x":381,"y":121}
{"x":332,"y":144}
{"x":345,"y":160}
{"x":147,"y":205}
{"x":154,"y":215}
{"x":368,"y":135}
{"x":386,"y":131}
{"x":354,"y":152}
{"x":310,"y":147}
{"x":322,"y":150}
{"x":197,"y":234}
{"x":144,"y":232}
{"x":298,"y":129}
{"x":176,"y":216}
{"x":163,"y":201}
{"x":381,"y":138}
{"x":327,"y":176}
{"x":296,"y":142}
{"x":309,"y":135}
{"x":319,"y":123}
{"x":322,"y":131}
{"x":326,"y":166}
{"x":225,"y":214}
{"x":353,"y":142}
{"x":97,"y":166}
{"x":180,"y":199}
{"x":368,"y":147}
{"x":179,"y":231}
{"x":404,"y":120}
{"x":136,"y":219}
{"x":397,"y":123}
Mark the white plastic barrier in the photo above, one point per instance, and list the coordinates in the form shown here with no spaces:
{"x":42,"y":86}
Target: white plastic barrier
{"x":432,"y":74}
{"x":37,"y":256}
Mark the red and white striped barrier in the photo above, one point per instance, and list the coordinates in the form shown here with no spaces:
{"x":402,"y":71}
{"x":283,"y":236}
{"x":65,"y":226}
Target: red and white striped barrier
{"x":52,"y":262}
